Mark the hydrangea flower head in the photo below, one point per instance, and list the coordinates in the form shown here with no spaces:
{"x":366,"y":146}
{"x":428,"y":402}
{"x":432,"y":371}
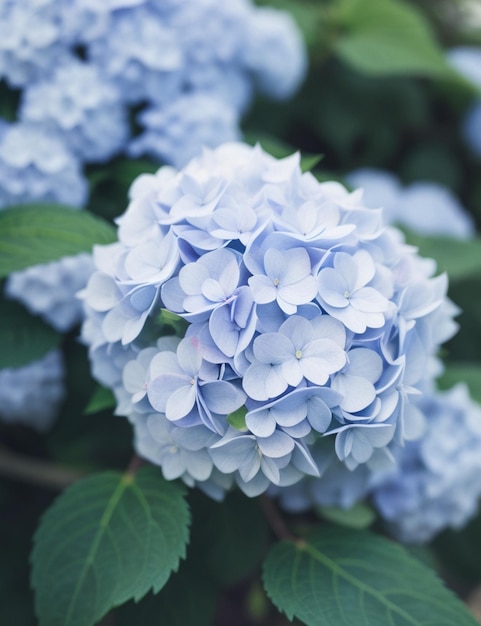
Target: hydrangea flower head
{"x":37,"y":166}
{"x":306,"y":337}
{"x":438,"y":479}
{"x":32,"y":394}
{"x":79,"y":104}
{"x":425,"y":207}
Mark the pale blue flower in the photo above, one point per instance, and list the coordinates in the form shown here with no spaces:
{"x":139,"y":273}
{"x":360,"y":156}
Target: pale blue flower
{"x":178,"y":131}
{"x":32,"y":394}
{"x":275,"y":53}
{"x":425,"y":207}
{"x":36,"y":166}
{"x":78,"y":103}
{"x":301,"y":350}
{"x":313,"y":329}
{"x":438,"y":479}
{"x":346,"y":294}
{"x":286,"y":278}
{"x":50,"y":289}
{"x":181,"y":452}
{"x":305,"y":407}
{"x":188,"y":390}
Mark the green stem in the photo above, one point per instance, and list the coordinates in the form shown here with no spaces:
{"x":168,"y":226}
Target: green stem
{"x":36,"y":471}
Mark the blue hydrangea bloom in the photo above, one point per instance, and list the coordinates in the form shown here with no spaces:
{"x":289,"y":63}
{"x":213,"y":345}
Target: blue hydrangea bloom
{"x":424,"y":207}
{"x":32,"y":394}
{"x":177,"y":132}
{"x":309,"y":326}
{"x":30,"y":39}
{"x":274,"y":53}
{"x":50,"y":289}
{"x":37,"y":166}
{"x":437,"y":482}
{"x":77,"y":102}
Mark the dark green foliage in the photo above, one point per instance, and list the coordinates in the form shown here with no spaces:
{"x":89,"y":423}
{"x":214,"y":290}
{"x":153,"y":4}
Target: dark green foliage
{"x":341,"y":577}
{"x":24,"y":338}
{"x":35,"y":234}
{"x":107,"y":539}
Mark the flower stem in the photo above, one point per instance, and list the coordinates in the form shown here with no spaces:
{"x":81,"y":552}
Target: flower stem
{"x":36,"y":471}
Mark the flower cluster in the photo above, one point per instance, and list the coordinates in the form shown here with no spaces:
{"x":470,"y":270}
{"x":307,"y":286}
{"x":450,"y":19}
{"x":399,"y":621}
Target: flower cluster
{"x":425,"y":207}
{"x":32,"y":394}
{"x":82,"y":64}
{"x":311,"y":327}
{"x":189,"y":68}
{"x":438,"y":479}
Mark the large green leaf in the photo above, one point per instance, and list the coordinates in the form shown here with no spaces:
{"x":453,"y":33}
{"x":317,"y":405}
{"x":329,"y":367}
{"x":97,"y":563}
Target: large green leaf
{"x":37,"y":233}
{"x":342,"y":577}
{"x":107,"y":539}
{"x":23,"y":338}
{"x":385,"y":37}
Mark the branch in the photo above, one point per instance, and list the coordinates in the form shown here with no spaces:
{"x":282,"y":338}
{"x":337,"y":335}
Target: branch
{"x":275,"y":520}
{"x":36,"y":471}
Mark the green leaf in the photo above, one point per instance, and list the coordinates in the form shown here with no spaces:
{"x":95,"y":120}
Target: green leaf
{"x":359,"y":516}
{"x":341,"y":577}
{"x":101,"y":399}
{"x":271,"y":144}
{"x":388,"y":37}
{"x":459,"y":258}
{"x":38,"y":233}
{"x":107,"y":539}
{"x":469,"y":373}
{"x":228,"y":538}
{"x":309,"y":161}
{"x":24,"y":338}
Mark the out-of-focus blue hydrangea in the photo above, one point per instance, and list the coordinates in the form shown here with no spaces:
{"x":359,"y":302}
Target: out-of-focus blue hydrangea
{"x":49,"y":290}
{"x":32,"y":394}
{"x":467,"y":61}
{"x":31,"y":39}
{"x":190,"y":66}
{"x":424,"y":207}
{"x":77,"y":103}
{"x":274,"y":53}
{"x":36,"y":166}
{"x":438,"y":479}
{"x":310,"y":326}
{"x":175,"y":131}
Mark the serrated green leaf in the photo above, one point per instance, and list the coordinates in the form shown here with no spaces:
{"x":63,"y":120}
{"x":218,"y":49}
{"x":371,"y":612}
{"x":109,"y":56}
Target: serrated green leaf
{"x":228,"y":538}
{"x":459,"y":258}
{"x":107,"y":539}
{"x":101,"y":399}
{"x":388,"y":37}
{"x":38,"y":233}
{"x":23,"y":337}
{"x":342,"y":577}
